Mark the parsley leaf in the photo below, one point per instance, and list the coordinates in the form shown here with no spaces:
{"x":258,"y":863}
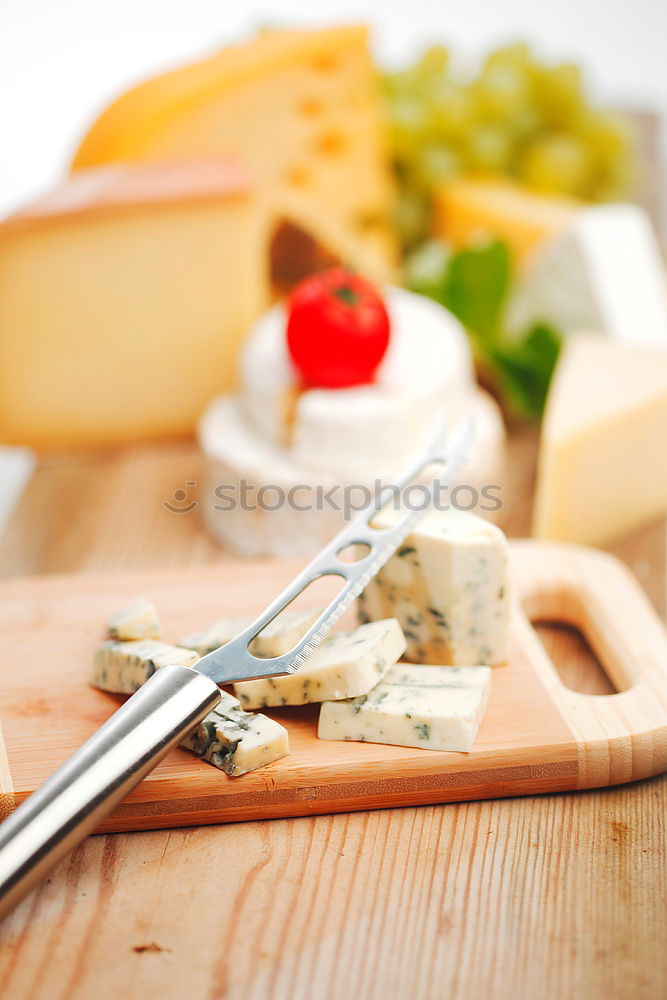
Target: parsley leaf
{"x":474,"y":285}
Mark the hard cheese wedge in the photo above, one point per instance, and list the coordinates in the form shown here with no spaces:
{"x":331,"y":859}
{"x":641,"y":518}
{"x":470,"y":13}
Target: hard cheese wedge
{"x":602,"y":469}
{"x":236,"y":741}
{"x":278,"y":637}
{"x":468,"y":211}
{"x":604,"y":272}
{"x":300,"y":109}
{"x":125,"y":294}
{"x":138,"y":620}
{"x":448,"y":587}
{"x":123,"y":297}
{"x":122,"y":667}
{"x":347,"y":665}
{"x":432,"y":707}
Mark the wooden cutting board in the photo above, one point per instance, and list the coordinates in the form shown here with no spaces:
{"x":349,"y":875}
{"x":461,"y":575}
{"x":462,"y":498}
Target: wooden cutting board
{"x":538,"y":736}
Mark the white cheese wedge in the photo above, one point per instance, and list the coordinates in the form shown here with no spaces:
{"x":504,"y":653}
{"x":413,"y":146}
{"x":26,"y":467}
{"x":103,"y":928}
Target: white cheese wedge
{"x":236,"y":741}
{"x":448,"y":586}
{"x":122,"y":667}
{"x":602,"y":471}
{"x":431,"y":707}
{"x":604,"y":272}
{"x":349,"y":664}
{"x":138,"y":620}
{"x":426,"y":371}
{"x":278,"y":637}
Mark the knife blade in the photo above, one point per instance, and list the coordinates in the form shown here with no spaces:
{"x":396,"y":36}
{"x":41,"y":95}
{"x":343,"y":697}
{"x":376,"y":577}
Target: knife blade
{"x":234,"y":661}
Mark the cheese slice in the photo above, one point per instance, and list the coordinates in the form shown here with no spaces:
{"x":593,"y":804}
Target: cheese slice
{"x":138,"y":620}
{"x":602,"y":470}
{"x":430,"y":707}
{"x":347,"y":665}
{"x":448,"y":586}
{"x":122,"y":667}
{"x":278,"y":637}
{"x":604,"y":272}
{"x":469,"y":211}
{"x":236,"y":741}
{"x":300,"y":109}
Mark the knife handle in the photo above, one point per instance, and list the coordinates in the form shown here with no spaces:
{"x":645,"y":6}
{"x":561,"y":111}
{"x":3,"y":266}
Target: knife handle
{"x":86,"y":788}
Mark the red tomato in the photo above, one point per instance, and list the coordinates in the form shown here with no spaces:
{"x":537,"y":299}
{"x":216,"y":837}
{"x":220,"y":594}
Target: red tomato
{"x":337,"y":329}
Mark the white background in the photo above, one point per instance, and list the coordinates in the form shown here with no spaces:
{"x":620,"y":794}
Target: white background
{"x":61,"y":60}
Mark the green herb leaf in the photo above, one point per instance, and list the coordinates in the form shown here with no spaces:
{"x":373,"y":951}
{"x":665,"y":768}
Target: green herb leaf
{"x":524,"y":369}
{"x":474,"y":284}
{"x":475,"y":288}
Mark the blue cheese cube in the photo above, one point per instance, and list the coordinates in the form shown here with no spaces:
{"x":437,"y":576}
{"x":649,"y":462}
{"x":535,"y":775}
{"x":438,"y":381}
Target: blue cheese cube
{"x":122,"y":667}
{"x":278,"y":637}
{"x":236,"y":741}
{"x":138,"y":620}
{"x":448,"y":586}
{"x":349,"y":664}
{"x":430,"y":707}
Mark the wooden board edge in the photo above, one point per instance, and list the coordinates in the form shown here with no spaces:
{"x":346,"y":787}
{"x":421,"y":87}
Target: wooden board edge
{"x":7,"y":797}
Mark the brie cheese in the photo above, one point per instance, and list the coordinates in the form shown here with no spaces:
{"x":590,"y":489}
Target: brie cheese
{"x":603,"y":273}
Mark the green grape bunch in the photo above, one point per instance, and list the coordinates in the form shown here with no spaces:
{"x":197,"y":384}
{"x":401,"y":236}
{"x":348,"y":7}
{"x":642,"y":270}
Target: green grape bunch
{"x":516,"y":117}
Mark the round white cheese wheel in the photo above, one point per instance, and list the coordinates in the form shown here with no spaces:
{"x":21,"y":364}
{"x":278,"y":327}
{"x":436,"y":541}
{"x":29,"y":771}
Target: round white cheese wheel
{"x":427,"y":371}
{"x":257,"y":499}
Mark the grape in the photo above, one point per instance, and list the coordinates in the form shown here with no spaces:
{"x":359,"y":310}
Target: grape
{"x":517,"y":54}
{"x":518,"y":117}
{"x":451,"y":109}
{"x":558,"y":92}
{"x":434,"y":61}
{"x":608,"y":134}
{"x":408,"y":126}
{"x":435,"y":164}
{"x":557,"y":162}
{"x":502,"y":89}
{"x":489,"y":147}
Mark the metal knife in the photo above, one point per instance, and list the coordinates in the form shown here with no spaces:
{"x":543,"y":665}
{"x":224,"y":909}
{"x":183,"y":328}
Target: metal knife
{"x":87,"y":787}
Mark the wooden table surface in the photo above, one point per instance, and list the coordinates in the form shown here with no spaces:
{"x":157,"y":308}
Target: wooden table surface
{"x":548,"y":897}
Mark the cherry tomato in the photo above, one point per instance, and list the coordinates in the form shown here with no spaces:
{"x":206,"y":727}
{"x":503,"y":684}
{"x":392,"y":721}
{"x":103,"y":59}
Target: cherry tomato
{"x":337,"y":329}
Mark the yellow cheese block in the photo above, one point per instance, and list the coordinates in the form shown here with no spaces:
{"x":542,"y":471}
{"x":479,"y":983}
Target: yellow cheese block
{"x":125,"y":294}
{"x":602,"y":469}
{"x":121,"y":297}
{"x":300,"y":109}
{"x":467,"y":211}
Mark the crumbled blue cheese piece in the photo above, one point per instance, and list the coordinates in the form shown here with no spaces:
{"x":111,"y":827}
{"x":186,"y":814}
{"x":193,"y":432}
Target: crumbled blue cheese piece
{"x":349,"y":664}
{"x":237,"y":741}
{"x":448,"y":585}
{"x":431,"y":707}
{"x":278,"y":637}
{"x":138,"y":620}
{"x":122,"y":667}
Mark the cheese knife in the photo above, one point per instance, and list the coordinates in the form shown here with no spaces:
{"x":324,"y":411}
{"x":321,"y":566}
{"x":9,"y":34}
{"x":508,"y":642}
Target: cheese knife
{"x":87,"y":787}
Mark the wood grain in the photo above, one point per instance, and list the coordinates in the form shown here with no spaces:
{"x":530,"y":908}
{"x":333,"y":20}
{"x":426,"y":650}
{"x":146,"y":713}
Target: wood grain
{"x":559,"y":897}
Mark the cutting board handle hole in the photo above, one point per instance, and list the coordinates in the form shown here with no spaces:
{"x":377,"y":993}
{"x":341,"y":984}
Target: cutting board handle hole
{"x":579,"y":638}
{"x":574,"y":659}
